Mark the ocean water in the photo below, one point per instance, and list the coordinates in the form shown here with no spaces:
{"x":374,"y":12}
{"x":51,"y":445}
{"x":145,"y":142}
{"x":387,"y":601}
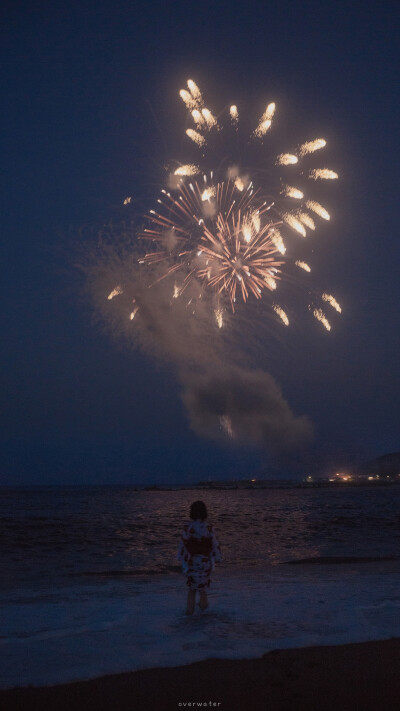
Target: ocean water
{"x":90,"y":583}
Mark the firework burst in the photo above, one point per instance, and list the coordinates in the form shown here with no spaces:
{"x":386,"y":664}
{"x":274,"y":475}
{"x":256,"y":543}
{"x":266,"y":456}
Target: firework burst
{"x":223,"y":242}
{"x":226,"y":246}
{"x":233,"y":230}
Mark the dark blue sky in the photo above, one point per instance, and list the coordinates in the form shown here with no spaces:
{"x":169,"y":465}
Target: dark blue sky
{"x":85,"y":88}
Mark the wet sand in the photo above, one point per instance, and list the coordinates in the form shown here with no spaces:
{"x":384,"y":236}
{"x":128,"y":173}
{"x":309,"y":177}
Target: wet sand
{"x":354,"y":677}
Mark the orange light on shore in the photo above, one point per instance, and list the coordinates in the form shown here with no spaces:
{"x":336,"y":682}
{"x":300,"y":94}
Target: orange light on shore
{"x":343,"y":476}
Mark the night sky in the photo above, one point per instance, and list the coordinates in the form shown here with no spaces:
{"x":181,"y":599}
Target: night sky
{"x":91,"y":115}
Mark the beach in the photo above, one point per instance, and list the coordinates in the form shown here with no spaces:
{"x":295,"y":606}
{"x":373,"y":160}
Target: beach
{"x":333,"y":678}
{"x":306,"y":601}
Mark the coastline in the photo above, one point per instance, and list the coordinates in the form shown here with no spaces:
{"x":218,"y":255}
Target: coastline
{"x":330,"y":678}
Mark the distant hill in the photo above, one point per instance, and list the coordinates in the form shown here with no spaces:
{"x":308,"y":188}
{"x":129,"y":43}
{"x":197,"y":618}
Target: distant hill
{"x":387,"y":465}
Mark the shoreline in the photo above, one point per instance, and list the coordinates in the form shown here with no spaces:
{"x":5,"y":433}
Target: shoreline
{"x":329,"y":678}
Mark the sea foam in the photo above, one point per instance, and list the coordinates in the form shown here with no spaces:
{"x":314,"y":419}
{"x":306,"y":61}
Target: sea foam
{"x":116,"y":625}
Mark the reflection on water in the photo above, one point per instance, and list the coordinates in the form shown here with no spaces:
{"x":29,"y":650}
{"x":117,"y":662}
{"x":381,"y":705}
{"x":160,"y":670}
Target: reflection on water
{"x":60,"y":531}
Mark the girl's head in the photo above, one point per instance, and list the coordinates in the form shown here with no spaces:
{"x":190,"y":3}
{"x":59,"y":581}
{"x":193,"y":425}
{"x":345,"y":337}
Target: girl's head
{"x":198,"y":510}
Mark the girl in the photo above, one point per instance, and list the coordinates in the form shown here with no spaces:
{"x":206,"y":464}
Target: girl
{"x":198,"y":551}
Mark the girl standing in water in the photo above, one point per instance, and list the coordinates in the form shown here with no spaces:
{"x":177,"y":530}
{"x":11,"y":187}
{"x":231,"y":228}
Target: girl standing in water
{"x":198,"y":551}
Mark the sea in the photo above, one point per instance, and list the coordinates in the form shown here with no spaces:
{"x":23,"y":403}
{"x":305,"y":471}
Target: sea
{"x":90,"y":583}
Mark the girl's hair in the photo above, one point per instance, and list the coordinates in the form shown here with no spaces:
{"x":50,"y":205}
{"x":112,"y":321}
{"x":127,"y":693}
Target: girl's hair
{"x":198,"y":510}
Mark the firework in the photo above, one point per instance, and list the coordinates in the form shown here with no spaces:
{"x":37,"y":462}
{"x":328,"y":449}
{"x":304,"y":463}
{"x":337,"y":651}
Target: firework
{"x":221,"y":228}
{"x":293,"y":192}
{"x":115,"y":292}
{"x":270,"y":282}
{"x":306,"y":219}
{"x":318,"y":209}
{"x":287,"y":159}
{"x":332,"y":301}
{"x":268,"y":113}
{"x":323,"y":174}
{"x":262,"y":128}
{"x":188,"y":99}
{"x":281,"y":313}
{"x":311,"y":146}
{"x":195,"y":91}
{"x":294,"y":223}
{"x":219,"y":317}
{"x":208,"y":193}
{"x":320,"y":316}
{"x":276,"y":238}
{"x":198,"y":118}
{"x":234,"y":114}
{"x":196,"y":137}
{"x":209,"y":119}
{"x":223,"y":242}
{"x":220,"y":253}
{"x":188,"y":169}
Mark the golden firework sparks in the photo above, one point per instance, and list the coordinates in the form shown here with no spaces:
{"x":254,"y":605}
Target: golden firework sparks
{"x":234,"y":113}
{"x":246,"y":230}
{"x":286,"y":159}
{"x":294,"y":223}
{"x":303,"y":265}
{"x":311,"y":146}
{"x":195,"y":91}
{"x":256,"y":222}
{"x":197,"y":118}
{"x":332,"y":301}
{"x":115,"y":292}
{"x":320,"y":316}
{"x":239,"y":184}
{"x":306,"y":219}
{"x":208,"y":193}
{"x":262,"y":128}
{"x":219,"y":317}
{"x":127,"y":200}
{"x":238,"y":264}
{"x":318,"y":209}
{"x":196,"y":137}
{"x":276,"y":238}
{"x":133,"y":313}
{"x":268,"y":113}
{"x":188,"y":99}
{"x":281,"y":313}
{"x":188,"y":169}
{"x":209,"y":118}
{"x":288,"y":191}
{"x":270,"y":282}
{"x":323,"y":174}
{"x":265,"y":121}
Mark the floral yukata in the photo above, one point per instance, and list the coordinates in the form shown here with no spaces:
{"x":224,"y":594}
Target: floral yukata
{"x":198,"y":551}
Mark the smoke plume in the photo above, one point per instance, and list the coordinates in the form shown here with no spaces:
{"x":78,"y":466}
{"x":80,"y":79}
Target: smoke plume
{"x":226,"y":398}
{"x":247,"y":405}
